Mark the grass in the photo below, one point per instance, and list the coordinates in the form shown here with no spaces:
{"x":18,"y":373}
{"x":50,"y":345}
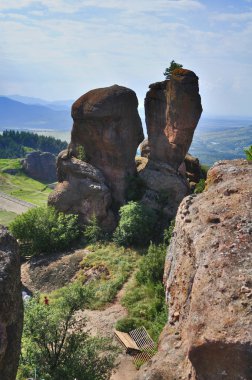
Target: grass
{"x":20,"y":185}
{"x":146,"y":307}
{"x":6,"y":217}
{"x":117,"y":264}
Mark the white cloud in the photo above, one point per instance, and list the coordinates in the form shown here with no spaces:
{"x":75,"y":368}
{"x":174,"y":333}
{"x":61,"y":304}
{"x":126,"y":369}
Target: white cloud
{"x":229,"y":17}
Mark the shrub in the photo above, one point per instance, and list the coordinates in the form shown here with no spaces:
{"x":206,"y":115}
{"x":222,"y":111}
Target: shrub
{"x":200,"y":186}
{"x":80,"y":153}
{"x":168,"y":233}
{"x":128,"y":324}
{"x":45,"y":229}
{"x":136,"y":224}
{"x":93,"y":232}
{"x":248,"y":152}
{"x":151,"y":268}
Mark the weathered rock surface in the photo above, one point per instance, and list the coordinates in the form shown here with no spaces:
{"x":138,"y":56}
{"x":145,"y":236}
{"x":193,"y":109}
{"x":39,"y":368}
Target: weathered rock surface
{"x":108,"y":126}
{"x":208,"y":280}
{"x":11,"y":306}
{"x":172,"y":111}
{"x":165,"y":187}
{"x":82,"y":190}
{"x":40,"y":166}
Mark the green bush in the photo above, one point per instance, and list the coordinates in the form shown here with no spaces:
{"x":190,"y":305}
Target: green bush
{"x":248,"y":152}
{"x":151,"y":268}
{"x":200,"y":186}
{"x":128,"y":324}
{"x":93,"y":232}
{"x":45,"y":229}
{"x":167,"y":235}
{"x":80,"y":153}
{"x":136,"y":225}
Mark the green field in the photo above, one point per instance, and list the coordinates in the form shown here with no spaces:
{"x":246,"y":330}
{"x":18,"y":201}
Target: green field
{"x":6,"y":217}
{"x":19,"y":185}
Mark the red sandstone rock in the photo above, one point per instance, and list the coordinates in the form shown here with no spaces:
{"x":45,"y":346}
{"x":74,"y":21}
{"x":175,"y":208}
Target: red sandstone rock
{"x":208,"y":282}
{"x":165,"y":187}
{"x":172,"y":110}
{"x":82,"y":190}
{"x":107,"y":125}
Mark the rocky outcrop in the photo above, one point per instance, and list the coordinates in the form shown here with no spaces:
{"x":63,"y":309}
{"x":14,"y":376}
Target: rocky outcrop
{"x":107,"y":125}
{"x":165,"y":187}
{"x":40,"y":166}
{"x":82,"y":190}
{"x":208,"y":282}
{"x":93,"y":173}
{"x":172,"y":111}
{"x":11,"y":306}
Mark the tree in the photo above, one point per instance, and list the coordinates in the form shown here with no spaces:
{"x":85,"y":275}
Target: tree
{"x":173,"y":65}
{"x":45,"y":229}
{"x":136,"y":225}
{"x":54,"y":343}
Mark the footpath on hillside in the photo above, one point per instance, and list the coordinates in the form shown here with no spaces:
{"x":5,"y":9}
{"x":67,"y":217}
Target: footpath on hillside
{"x":48,"y":273}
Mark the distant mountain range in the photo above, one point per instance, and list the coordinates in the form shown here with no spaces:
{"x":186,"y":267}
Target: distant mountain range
{"x":15,"y":114}
{"x":216,"y":138}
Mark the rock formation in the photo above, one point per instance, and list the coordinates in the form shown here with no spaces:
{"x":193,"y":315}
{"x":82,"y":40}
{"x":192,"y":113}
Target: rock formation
{"x":93,"y":172}
{"x":99,"y":163}
{"x":107,"y":125}
{"x":11,"y":306}
{"x":208,"y":282}
{"x":165,"y":187}
{"x":82,"y":190}
{"x":172,"y":111}
{"x":40,"y":166}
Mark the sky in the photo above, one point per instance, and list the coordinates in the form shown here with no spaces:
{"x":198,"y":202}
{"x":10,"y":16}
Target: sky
{"x":60,"y":49}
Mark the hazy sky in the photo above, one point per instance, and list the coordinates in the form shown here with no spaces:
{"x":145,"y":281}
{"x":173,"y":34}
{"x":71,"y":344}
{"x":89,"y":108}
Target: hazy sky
{"x":60,"y":49}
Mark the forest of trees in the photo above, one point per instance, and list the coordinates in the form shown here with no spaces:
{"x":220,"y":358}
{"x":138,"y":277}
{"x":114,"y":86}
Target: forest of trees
{"x":15,"y":144}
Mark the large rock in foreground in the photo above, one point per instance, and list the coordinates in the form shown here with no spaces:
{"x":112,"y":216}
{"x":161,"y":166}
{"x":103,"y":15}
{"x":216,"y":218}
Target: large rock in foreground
{"x":107,"y":125}
{"x":11,"y":306}
{"x":172,"y":111}
{"x":208,"y":283}
{"x":40,"y":166}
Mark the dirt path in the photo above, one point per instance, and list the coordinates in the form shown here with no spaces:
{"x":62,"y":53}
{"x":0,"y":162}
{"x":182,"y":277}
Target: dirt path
{"x":9,"y":203}
{"x":102,"y":323}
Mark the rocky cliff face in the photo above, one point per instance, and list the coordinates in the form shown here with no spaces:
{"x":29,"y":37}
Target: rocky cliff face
{"x":11,"y":306}
{"x":40,"y":166}
{"x":208,"y":281}
{"x":172,"y":111}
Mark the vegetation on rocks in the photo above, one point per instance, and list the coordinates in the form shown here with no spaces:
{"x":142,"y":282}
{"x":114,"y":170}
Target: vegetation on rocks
{"x":173,"y":66}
